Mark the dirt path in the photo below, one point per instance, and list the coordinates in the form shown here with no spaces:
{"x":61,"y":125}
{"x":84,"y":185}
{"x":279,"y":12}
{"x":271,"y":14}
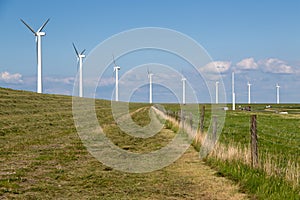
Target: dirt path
{"x":186,"y":178}
{"x":202,"y":180}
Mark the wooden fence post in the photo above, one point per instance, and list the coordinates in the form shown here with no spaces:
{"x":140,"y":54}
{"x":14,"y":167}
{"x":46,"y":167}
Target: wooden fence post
{"x":191,"y":120}
{"x":215,"y":128}
{"x":254,"y":149}
{"x":182,"y":118}
{"x":201,"y":125}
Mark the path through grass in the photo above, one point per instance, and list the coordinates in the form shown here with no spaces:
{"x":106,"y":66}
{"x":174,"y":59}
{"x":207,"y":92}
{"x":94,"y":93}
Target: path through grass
{"x":42,"y":157}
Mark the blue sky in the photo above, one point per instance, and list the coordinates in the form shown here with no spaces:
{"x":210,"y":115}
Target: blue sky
{"x":259,"y":40}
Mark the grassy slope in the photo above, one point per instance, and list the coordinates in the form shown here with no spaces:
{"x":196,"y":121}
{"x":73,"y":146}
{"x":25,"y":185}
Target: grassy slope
{"x":42,"y":157}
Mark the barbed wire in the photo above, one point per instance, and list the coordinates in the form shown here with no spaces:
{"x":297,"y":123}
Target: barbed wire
{"x":279,"y":144}
{"x":279,"y":137}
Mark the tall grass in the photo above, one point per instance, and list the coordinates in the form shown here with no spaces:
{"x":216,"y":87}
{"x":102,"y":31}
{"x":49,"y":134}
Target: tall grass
{"x":270,"y":164}
{"x":231,"y":157}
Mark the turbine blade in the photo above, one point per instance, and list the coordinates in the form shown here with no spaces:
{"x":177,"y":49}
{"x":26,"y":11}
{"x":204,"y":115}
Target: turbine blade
{"x":41,"y":28}
{"x":114,"y":60}
{"x":82,"y":52}
{"x":77,"y":54}
{"x":28,"y":26}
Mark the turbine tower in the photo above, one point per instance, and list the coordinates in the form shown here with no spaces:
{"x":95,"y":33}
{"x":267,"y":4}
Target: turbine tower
{"x":277,"y":93}
{"x":233,"y":93}
{"x":150,"y":86}
{"x":249,"y":92}
{"x":80,"y":57}
{"x":217,"y":92}
{"x":116,"y":70}
{"x":38,"y":39}
{"x":183,"y":79}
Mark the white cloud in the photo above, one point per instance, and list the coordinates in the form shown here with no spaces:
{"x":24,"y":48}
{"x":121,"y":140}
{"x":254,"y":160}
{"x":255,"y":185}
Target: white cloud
{"x":107,"y":81}
{"x":216,"y":67}
{"x":6,"y":77}
{"x":276,"y":66}
{"x":65,"y":80}
{"x":247,"y":64}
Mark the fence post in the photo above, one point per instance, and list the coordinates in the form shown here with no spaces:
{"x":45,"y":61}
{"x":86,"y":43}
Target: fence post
{"x":254,"y":150}
{"x":201,"y":125}
{"x":182,"y":118}
{"x":215,"y":128}
{"x":179,"y":115}
{"x":191,"y":120}
{"x":173,"y":114}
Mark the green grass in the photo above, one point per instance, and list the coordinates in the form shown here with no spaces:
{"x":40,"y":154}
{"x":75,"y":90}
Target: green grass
{"x":255,"y":182}
{"x":278,"y":144}
{"x":42,"y":156}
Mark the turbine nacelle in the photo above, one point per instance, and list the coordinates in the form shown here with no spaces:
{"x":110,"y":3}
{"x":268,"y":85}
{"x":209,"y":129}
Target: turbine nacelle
{"x":40,"y":34}
{"x":150,"y":75}
{"x":117,"y":68}
{"x":79,"y":55}
{"x":39,"y":31}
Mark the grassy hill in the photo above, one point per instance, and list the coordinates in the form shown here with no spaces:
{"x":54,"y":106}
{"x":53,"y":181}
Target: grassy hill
{"x":42,"y":157}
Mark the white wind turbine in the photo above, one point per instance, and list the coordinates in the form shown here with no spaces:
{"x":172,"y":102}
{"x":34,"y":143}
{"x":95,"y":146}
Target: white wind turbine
{"x":150,"y":86}
{"x":217,"y":92}
{"x":183,"y":79}
{"x":277,"y":93}
{"x":116,"y":70}
{"x":249,"y":92}
{"x":80,"y":57}
{"x":233,"y":93}
{"x":38,"y":34}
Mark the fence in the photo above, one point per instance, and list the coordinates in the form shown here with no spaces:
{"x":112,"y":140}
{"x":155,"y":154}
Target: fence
{"x":257,"y":153}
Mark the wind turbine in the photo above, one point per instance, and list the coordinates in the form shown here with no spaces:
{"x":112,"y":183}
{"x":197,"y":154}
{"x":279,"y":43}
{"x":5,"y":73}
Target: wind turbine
{"x":183,"y":79}
{"x":217,"y":92}
{"x":277,"y":92}
{"x":38,"y":39}
{"x":233,"y":93}
{"x":249,"y":92}
{"x":150,"y":86}
{"x":116,"y":70}
{"x":80,"y":57}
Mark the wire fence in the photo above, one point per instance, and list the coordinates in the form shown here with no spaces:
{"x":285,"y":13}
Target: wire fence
{"x":276,"y":149}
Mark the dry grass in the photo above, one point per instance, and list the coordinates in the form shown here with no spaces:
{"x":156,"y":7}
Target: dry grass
{"x":230,"y":152}
{"x":42,"y":157}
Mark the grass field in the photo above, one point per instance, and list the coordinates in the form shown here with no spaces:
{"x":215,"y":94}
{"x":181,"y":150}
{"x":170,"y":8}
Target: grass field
{"x":278,"y":173}
{"x":42,"y":156}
